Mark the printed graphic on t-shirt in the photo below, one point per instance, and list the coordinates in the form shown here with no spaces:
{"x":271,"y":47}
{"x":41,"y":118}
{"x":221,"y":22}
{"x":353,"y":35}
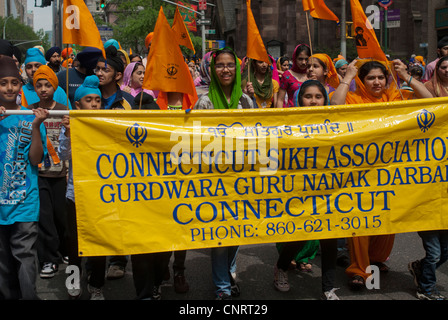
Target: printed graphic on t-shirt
{"x":13,"y":184}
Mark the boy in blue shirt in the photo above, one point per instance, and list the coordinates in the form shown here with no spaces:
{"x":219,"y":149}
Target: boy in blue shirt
{"x":87,"y":97}
{"x":22,"y":148}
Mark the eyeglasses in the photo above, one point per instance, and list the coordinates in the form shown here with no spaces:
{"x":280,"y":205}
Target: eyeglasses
{"x":230,"y":66}
{"x":103,"y":70}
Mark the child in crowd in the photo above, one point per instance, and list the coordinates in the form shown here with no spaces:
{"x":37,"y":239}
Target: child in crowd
{"x":87,"y":97}
{"x":51,"y":244}
{"x":22,"y":148}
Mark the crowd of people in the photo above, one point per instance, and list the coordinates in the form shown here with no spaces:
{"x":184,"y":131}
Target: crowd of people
{"x":38,"y":207}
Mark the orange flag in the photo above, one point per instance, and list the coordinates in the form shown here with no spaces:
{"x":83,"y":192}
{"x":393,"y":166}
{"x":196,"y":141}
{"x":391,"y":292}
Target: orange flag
{"x":366,"y":42}
{"x":255,"y":45}
{"x":319,"y":10}
{"x":78,"y":26}
{"x":183,"y":37}
{"x":166,"y":70}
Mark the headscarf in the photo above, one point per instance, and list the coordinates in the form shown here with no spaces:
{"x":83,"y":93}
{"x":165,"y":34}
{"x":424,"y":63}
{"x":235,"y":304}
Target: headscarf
{"x":332,"y":75}
{"x":361,"y":95}
{"x":434,"y":85}
{"x":89,"y":86}
{"x":275,"y":75}
{"x":126,"y":56}
{"x":127,"y":77}
{"x":45,"y":72}
{"x":302,"y":88}
{"x":420,"y":59}
{"x":204,"y":68}
{"x":339,"y":63}
{"x":263,"y":90}
{"x":295,"y":67}
{"x":216,"y":94}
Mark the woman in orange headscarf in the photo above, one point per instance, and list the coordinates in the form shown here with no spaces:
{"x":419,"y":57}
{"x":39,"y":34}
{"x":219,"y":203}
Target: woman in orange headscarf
{"x":372,"y":86}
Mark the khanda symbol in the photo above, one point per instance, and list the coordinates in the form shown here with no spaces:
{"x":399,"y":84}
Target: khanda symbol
{"x":136,"y":135}
{"x":425,"y":120}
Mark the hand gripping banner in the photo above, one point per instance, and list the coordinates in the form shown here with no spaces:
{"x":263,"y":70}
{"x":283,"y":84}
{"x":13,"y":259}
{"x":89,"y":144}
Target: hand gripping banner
{"x":150,"y":181}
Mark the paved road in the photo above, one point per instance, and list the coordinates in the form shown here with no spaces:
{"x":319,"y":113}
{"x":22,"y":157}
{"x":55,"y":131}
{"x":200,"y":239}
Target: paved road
{"x":255,"y":276}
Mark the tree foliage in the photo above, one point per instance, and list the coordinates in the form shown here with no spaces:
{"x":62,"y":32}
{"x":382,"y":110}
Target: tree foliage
{"x":137,"y":18}
{"x":23,"y":35}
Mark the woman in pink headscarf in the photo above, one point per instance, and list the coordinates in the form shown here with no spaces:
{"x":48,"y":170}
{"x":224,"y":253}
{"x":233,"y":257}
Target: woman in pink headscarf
{"x":133,"y":79}
{"x":293,"y":78}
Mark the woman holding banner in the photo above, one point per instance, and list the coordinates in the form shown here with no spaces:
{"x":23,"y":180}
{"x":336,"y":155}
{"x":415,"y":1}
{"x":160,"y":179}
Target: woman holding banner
{"x":372,"y":86}
{"x":293,"y":78}
{"x":224,"y":93}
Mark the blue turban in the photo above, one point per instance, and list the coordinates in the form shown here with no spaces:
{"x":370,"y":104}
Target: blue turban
{"x":89,"y":86}
{"x":112,"y":42}
{"x":34,"y":55}
{"x":340,"y":63}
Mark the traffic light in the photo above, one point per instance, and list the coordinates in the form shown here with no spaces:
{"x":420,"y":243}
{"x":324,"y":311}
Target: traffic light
{"x":102,"y":4}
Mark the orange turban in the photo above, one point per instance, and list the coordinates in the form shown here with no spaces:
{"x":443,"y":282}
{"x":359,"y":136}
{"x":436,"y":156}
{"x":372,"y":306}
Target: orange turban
{"x":64,"y":52}
{"x":66,"y":62}
{"x":148,"y":39}
{"x":45,"y":72}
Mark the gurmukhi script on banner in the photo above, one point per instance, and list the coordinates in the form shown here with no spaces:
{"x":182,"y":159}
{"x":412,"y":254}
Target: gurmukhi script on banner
{"x":150,"y":181}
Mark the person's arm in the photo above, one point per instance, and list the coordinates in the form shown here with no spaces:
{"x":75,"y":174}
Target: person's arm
{"x":37,"y":148}
{"x":65,"y":146}
{"x":339,"y":95}
{"x":419,"y":88}
{"x":281,"y":98}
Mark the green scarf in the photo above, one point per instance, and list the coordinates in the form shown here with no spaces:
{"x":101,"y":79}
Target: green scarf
{"x":215,"y":92}
{"x":265,"y":90}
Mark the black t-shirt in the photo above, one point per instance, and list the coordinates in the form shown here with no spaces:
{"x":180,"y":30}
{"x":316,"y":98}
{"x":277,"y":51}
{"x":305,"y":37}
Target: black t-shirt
{"x":75,"y":80}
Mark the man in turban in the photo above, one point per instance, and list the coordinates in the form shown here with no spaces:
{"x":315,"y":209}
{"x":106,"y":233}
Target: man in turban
{"x":109,"y":71}
{"x":87,"y":61}
{"x":442,"y":50}
{"x":53,"y":56}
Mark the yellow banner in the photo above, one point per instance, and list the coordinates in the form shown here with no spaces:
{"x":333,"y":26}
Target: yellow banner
{"x":149,"y":181}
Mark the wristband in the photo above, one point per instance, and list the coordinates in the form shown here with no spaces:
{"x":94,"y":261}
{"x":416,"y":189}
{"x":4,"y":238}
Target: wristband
{"x":409,"y":82}
{"x":343,"y":82}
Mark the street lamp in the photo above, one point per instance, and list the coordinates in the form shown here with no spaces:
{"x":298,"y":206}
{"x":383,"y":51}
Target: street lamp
{"x":4,"y":26}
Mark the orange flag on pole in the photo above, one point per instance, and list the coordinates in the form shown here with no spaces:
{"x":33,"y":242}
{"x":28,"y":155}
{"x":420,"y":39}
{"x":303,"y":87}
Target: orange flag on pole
{"x":319,"y":10}
{"x":166,"y":70}
{"x":366,"y":42}
{"x":183,"y":37}
{"x":78,"y":26}
{"x":255,"y":45}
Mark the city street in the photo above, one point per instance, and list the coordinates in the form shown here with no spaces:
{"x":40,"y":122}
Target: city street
{"x":255,"y":278}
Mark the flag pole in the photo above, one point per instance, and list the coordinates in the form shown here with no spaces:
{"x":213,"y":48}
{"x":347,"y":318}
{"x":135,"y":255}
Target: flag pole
{"x":309,"y":34}
{"x":395,"y":80}
{"x":66,"y":80}
{"x":30,"y":112}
